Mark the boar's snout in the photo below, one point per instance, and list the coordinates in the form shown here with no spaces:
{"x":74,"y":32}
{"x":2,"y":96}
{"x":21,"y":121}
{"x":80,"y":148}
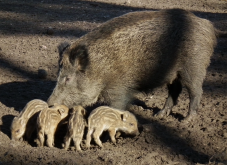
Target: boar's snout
{"x":50,"y":102}
{"x":54,"y":99}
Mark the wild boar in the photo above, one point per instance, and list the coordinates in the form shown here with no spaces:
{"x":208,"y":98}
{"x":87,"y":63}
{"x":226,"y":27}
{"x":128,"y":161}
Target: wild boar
{"x":76,"y":126}
{"x":112,"y":120}
{"x":24,"y":124}
{"x":137,"y":52}
{"x":47,"y":123}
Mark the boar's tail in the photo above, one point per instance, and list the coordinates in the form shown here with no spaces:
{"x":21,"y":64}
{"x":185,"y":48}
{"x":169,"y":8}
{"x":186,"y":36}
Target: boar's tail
{"x":220,"y":34}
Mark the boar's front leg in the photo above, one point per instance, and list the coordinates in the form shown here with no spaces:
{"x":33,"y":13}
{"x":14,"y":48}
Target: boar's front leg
{"x":174,"y":91}
{"x":120,"y":98}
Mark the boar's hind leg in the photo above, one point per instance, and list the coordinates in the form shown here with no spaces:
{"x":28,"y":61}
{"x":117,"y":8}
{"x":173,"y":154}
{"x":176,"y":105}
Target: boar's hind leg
{"x":174,"y":90}
{"x":195,"y":97}
{"x":193,"y":81}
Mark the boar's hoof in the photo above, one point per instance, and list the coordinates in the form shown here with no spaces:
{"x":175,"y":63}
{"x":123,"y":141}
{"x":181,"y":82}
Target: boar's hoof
{"x":190,"y":118}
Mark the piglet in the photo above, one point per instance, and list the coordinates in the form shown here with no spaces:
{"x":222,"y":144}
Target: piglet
{"x":24,"y":124}
{"x":47,"y":123}
{"x":76,"y":126}
{"x":106,"y":118}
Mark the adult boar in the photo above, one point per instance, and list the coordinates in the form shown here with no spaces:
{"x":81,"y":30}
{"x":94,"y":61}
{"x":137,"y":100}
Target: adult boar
{"x":138,"y":51}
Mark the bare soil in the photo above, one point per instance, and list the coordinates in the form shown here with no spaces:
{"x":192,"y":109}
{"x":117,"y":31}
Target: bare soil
{"x":30,"y":31}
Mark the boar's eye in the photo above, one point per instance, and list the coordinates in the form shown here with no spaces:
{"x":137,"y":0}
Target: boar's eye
{"x":17,"y":131}
{"x":131,"y":124}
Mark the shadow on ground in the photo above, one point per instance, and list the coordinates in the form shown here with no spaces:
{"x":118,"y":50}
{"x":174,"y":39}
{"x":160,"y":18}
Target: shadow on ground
{"x":17,"y":94}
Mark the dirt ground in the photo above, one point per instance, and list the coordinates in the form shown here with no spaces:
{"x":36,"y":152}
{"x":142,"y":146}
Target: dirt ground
{"x":30,"y":31}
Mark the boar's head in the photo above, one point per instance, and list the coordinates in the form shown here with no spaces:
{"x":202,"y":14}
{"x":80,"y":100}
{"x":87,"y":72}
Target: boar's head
{"x":75,"y":85}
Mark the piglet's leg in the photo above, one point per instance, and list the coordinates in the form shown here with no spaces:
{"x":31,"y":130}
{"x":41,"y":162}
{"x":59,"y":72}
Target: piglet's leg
{"x":40,"y":140}
{"x":88,"y":138}
{"x":96,"y":136}
{"x":50,"y":140}
{"x":112,"y":133}
{"x":77,"y":141}
{"x":66,"y":144}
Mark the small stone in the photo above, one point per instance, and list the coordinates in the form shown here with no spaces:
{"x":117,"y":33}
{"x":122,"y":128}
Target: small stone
{"x":43,"y":47}
{"x":42,"y":73}
{"x":148,"y":127}
{"x":50,"y":31}
{"x":225,"y":134}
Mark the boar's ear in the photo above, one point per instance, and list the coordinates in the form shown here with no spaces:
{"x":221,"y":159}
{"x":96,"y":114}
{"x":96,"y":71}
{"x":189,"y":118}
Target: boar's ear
{"x":61,"y":48}
{"x":124,"y":116}
{"x":79,"y":57}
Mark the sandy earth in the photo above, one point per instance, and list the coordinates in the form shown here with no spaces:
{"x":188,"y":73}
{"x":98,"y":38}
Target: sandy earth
{"x":30,"y":31}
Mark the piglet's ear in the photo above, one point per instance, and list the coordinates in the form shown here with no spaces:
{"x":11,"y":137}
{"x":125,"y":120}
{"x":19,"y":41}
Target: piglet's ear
{"x":15,"y":118}
{"x":22,"y":122}
{"x":61,"y":111}
{"x":124,"y":116}
{"x":83,"y":111}
{"x":79,"y":57}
